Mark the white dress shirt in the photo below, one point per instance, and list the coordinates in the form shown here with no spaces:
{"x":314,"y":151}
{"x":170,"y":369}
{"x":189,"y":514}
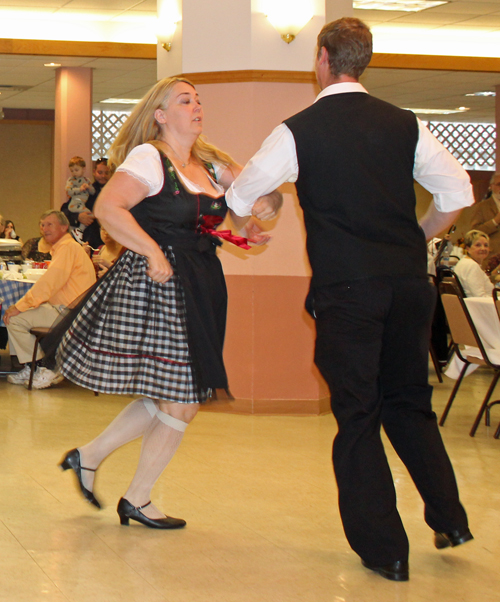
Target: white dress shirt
{"x":276,"y":162}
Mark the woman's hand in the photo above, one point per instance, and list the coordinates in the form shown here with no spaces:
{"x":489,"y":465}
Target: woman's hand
{"x":254,"y":234}
{"x":159,"y":268}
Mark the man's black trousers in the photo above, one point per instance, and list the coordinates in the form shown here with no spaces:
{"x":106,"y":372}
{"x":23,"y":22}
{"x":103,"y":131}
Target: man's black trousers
{"x":372,"y":349}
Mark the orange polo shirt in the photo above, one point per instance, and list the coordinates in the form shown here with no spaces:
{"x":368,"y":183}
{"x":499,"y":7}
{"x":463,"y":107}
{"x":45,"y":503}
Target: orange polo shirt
{"x":71,"y":272}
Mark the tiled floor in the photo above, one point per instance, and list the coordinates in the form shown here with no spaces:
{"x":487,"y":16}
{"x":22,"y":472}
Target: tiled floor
{"x":260,"y":502}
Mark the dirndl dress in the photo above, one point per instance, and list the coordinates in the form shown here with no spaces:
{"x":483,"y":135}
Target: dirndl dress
{"x":135,"y":336}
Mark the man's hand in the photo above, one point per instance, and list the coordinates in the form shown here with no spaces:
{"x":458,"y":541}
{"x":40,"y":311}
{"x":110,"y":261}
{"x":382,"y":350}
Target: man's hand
{"x":86,"y":218}
{"x":267,"y":207}
{"x":10,"y":313}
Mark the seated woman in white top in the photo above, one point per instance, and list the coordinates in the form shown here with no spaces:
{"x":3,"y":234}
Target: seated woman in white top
{"x":469,"y":271}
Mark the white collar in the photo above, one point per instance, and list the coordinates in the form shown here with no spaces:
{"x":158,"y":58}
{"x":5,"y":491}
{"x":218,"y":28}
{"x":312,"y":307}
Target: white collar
{"x":341,"y":88}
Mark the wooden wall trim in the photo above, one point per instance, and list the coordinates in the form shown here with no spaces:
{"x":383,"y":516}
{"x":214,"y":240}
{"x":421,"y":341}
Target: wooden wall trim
{"x":148,"y":51}
{"x":436,"y":63}
{"x":67,"y":48}
{"x":379,"y":61}
{"x":251,"y":75}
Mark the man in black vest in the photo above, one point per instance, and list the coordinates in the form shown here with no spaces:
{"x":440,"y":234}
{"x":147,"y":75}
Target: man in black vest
{"x":353,"y":159}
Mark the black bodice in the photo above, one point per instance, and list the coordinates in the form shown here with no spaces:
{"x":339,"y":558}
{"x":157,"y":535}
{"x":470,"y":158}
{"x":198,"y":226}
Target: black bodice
{"x":176,"y":212}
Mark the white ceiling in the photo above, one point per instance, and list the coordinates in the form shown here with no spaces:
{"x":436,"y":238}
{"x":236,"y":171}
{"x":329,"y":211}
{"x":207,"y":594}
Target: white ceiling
{"x":130,"y":78}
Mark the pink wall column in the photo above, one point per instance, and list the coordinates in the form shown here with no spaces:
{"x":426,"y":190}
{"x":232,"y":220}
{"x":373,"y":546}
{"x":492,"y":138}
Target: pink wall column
{"x":73,"y":125}
{"x":270,"y":338}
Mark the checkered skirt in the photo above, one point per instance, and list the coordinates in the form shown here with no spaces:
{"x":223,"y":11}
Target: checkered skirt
{"x":130,"y":337}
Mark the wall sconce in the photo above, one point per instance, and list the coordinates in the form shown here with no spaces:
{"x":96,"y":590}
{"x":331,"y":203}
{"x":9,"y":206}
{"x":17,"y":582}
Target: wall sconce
{"x":166,"y":34}
{"x":288,"y":18}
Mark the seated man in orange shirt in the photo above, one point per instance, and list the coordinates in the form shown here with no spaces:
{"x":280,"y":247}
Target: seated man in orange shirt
{"x":69,"y":275}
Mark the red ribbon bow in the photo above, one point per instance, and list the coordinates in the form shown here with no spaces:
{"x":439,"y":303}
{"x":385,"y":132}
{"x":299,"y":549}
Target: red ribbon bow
{"x":239,"y":241}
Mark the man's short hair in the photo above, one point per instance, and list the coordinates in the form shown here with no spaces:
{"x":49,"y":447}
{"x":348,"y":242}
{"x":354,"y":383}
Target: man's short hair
{"x":348,"y":42}
{"x":63,"y":220}
{"x":101,"y":161}
{"x":77,"y":161}
{"x":492,"y":179}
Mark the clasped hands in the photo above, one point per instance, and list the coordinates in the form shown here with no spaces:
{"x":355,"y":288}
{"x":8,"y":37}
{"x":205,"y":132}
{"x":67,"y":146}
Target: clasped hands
{"x":267,"y":207}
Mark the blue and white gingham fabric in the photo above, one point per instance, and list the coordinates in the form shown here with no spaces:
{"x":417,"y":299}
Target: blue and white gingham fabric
{"x":11,"y":291}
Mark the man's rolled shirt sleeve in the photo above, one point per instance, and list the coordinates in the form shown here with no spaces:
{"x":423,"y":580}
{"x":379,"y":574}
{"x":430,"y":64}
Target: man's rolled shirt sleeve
{"x":437,"y":170}
{"x":272,"y":165}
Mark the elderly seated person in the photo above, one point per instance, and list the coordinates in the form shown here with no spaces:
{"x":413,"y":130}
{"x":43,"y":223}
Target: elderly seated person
{"x":474,"y":280}
{"x":69,"y":275}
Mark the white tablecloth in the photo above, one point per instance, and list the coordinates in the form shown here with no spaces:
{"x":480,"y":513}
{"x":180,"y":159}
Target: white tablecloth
{"x":483,"y":313}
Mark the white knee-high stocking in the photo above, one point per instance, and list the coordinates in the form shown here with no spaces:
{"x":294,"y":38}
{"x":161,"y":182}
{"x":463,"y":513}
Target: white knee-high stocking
{"x":131,"y":422}
{"x":159,"y":445}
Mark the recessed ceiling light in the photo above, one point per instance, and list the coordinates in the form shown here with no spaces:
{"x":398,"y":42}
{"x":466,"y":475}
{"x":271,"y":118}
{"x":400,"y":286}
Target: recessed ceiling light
{"x":484,"y":93}
{"x":52,"y":64}
{"x":120,"y":101}
{"x":400,"y":5}
{"x":437,"y":111}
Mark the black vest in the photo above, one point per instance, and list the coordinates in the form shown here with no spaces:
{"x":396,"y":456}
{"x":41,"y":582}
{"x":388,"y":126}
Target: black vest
{"x":355,"y":186}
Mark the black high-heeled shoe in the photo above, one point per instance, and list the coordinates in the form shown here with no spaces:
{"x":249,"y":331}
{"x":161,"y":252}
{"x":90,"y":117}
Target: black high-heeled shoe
{"x":72,"y":460}
{"x":126,"y":512}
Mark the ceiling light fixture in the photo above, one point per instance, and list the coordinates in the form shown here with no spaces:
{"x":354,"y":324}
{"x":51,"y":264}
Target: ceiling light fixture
{"x":397,"y":5}
{"x":437,"y":111}
{"x":483,"y":93}
{"x":120,"y":101}
{"x":52,"y":64}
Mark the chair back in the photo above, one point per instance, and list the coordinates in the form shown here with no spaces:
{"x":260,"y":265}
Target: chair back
{"x":462,"y":328}
{"x":496,"y":300}
{"x":447,"y":272}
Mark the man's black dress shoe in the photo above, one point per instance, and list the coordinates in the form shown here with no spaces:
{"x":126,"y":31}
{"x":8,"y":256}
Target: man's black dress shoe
{"x":397,"y":571}
{"x":454,"y":538}
{"x":126,"y":512}
{"x":72,"y":460}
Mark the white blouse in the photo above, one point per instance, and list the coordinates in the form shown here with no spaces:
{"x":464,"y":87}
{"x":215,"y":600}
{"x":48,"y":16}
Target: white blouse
{"x":474,"y":281}
{"x":144,"y":163}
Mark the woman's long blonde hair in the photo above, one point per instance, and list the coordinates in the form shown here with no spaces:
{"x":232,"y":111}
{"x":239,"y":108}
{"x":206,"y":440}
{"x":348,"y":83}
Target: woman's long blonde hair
{"x":141,"y":127}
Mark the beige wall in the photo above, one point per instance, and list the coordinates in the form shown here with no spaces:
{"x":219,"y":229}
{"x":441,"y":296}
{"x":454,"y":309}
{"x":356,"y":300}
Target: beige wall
{"x":25,"y":173}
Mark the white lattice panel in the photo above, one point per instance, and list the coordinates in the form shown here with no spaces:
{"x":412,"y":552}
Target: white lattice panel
{"x":473,"y":144}
{"x":105,"y":126}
